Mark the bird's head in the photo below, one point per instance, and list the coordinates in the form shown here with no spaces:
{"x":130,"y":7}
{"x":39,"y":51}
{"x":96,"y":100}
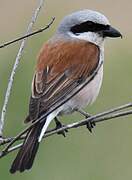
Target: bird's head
{"x":87,"y":25}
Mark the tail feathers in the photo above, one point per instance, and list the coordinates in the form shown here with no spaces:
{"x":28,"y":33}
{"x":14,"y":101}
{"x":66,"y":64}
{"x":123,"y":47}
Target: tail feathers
{"x":26,"y":155}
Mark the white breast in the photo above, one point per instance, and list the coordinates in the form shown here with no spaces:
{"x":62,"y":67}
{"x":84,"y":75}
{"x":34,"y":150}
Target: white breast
{"x":89,"y":93}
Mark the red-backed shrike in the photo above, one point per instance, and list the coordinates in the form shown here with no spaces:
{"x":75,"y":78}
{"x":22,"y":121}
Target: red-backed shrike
{"x":64,"y":64}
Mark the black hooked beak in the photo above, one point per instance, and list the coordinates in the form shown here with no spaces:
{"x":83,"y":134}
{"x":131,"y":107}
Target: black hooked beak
{"x":111,"y":32}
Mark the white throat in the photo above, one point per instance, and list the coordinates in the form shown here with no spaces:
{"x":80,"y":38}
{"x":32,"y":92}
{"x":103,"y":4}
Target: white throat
{"x":92,"y":37}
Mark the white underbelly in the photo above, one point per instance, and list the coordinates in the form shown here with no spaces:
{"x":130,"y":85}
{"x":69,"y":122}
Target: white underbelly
{"x":86,"y":96}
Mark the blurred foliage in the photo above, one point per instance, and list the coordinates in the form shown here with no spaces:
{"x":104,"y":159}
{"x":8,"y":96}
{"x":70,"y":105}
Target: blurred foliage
{"x":105,"y":154}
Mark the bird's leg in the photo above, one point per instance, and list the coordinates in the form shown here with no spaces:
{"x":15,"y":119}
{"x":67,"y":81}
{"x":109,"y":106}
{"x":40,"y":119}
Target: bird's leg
{"x":90,"y":124}
{"x":60,"y":125}
{"x":87,"y":115}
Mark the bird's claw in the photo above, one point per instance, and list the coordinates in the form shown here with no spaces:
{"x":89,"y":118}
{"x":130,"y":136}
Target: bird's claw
{"x":90,"y":125}
{"x":60,"y":125}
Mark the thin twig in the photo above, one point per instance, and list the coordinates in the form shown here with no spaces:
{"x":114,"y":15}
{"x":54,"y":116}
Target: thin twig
{"x":10,"y":150}
{"x":96,"y":118}
{"x":108,"y":112}
{"x":18,"y":57}
{"x":28,"y":35}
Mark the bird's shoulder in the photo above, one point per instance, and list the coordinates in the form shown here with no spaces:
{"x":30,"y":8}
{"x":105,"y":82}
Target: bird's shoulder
{"x":64,"y":53}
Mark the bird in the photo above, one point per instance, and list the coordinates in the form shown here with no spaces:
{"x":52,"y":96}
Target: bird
{"x":67,"y":78}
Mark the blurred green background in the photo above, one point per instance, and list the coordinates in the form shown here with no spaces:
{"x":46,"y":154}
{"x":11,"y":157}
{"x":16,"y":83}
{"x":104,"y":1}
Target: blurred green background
{"x":107,"y":153}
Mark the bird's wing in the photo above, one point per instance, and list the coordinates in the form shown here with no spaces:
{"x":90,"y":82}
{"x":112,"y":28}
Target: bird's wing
{"x":61,"y":67}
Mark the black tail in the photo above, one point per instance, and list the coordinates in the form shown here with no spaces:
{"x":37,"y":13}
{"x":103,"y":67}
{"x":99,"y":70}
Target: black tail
{"x":26,"y":155}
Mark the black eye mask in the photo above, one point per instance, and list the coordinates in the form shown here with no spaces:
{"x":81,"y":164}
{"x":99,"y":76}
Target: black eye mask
{"x":88,"y":26}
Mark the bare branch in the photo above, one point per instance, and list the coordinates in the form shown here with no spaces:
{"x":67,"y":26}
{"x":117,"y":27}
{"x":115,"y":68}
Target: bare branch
{"x":106,"y":115}
{"x":2,"y":154}
{"x":18,"y":57}
{"x":28,"y":35}
{"x":123,"y":107}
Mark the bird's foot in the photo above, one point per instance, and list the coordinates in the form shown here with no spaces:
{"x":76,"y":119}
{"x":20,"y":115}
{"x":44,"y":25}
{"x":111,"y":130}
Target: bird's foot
{"x":60,"y":125}
{"x":90,"y":124}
